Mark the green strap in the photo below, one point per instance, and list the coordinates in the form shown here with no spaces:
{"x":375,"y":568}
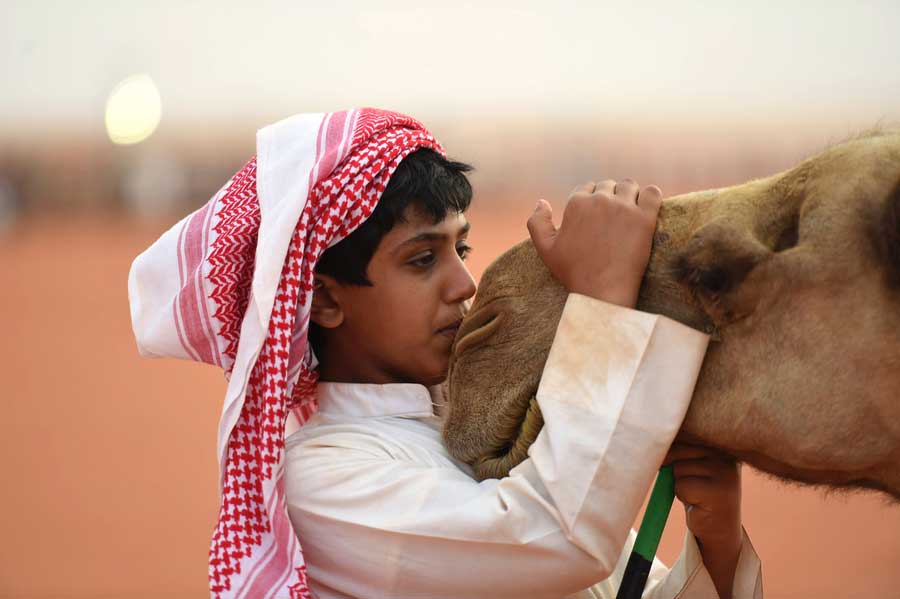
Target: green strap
{"x":657,"y":513}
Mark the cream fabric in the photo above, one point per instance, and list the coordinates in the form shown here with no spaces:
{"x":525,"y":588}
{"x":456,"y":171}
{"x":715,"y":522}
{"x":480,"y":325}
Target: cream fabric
{"x":382,"y":510}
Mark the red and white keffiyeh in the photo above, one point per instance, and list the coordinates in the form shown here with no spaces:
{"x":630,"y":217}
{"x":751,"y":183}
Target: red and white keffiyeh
{"x":231,"y":285}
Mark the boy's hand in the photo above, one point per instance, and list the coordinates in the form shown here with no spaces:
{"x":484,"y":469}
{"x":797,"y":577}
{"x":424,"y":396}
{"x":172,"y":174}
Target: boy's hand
{"x":602,"y":247}
{"x":708,"y":482}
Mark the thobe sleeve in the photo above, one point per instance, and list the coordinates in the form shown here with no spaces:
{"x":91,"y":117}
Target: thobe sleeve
{"x":687,"y":579}
{"x":614,"y":391}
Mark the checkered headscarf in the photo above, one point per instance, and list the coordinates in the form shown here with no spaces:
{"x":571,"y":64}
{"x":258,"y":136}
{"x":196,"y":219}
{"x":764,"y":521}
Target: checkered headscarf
{"x":231,"y":285}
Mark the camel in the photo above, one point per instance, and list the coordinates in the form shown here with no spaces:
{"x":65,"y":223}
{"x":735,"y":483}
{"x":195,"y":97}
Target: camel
{"x":796,"y":277}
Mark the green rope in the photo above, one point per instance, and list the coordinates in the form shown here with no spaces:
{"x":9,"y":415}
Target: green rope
{"x":649,"y":535}
{"x":657,"y":513}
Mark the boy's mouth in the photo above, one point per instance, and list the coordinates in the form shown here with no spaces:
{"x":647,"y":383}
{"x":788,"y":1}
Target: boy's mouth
{"x":451,"y":329}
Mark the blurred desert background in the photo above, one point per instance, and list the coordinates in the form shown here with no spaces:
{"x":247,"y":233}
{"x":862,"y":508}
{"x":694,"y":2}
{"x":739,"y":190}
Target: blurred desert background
{"x":116,"y":119}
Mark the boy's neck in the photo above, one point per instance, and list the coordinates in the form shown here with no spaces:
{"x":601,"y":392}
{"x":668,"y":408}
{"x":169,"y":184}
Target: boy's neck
{"x":337,"y":365}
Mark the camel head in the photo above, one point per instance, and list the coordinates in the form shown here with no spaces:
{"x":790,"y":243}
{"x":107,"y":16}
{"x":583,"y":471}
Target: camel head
{"x":796,"y":277}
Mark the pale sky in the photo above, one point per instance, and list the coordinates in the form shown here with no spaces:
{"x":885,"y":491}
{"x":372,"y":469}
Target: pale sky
{"x":220,"y":61}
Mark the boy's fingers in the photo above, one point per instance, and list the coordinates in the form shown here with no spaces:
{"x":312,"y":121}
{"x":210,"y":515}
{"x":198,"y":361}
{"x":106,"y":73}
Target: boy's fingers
{"x":650,"y":199}
{"x":679,"y":451}
{"x":584,"y":188}
{"x":607,"y":186}
{"x":701,"y":468}
{"x":696,"y":490}
{"x":627,"y":191}
{"x":541,"y":228}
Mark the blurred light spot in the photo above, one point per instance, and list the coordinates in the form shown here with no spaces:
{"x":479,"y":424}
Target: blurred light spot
{"x":133,"y":110}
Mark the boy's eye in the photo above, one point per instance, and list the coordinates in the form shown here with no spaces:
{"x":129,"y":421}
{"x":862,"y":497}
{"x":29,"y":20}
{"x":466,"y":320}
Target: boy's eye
{"x":422,"y":260}
{"x":428,"y":258}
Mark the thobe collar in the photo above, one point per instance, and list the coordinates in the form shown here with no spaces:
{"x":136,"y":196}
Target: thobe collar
{"x":363,"y":400}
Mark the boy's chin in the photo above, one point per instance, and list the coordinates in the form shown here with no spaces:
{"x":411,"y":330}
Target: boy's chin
{"x":435,"y":377}
{"x":430,"y":369}
{"x":430,"y":380}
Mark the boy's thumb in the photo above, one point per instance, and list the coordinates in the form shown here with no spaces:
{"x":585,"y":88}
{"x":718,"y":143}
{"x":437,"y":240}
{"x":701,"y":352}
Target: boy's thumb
{"x":541,"y":227}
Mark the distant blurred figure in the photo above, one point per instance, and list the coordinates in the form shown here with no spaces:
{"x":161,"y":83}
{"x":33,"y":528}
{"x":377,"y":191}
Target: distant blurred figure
{"x":10,"y":204}
{"x":154,"y":186}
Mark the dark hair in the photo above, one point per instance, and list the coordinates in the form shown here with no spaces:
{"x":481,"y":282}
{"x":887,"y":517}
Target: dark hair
{"x":424,"y":180}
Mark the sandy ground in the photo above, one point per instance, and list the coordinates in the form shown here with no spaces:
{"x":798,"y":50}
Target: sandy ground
{"x":108,"y":470}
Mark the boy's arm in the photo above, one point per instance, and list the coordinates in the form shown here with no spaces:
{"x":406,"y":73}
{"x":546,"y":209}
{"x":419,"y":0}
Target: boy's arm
{"x":641,"y":430}
{"x":708,"y":482}
{"x":622,"y":218}
{"x":690,"y":579}
{"x":614,"y":391}
{"x":613,"y":395}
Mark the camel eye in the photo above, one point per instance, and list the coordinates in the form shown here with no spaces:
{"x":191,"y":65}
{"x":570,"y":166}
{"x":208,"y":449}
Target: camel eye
{"x":714,"y":281}
{"x":885,"y":234}
{"x":717,"y":260}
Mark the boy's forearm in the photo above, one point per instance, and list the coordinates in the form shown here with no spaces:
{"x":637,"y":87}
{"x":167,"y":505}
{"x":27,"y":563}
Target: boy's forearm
{"x":720,"y":561}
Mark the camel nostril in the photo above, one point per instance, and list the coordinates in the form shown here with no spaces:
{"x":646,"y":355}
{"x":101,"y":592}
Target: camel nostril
{"x":476,"y":327}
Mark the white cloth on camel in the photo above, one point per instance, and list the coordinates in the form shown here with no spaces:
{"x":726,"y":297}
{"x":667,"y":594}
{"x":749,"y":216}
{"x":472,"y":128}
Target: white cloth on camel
{"x":382,"y":509}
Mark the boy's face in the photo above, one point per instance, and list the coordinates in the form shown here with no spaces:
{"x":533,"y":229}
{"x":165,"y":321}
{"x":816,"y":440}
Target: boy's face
{"x":401,"y":329}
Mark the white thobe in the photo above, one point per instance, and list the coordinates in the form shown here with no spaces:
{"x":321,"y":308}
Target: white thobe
{"x":382,"y":510}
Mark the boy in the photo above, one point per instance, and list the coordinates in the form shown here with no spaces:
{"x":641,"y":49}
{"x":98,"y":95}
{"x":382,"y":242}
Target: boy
{"x":379,"y":507}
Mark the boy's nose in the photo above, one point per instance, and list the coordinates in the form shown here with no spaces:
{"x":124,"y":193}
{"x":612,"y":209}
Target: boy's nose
{"x":461,"y":285}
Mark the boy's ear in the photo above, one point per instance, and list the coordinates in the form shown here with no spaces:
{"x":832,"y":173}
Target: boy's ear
{"x":325,"y":310}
